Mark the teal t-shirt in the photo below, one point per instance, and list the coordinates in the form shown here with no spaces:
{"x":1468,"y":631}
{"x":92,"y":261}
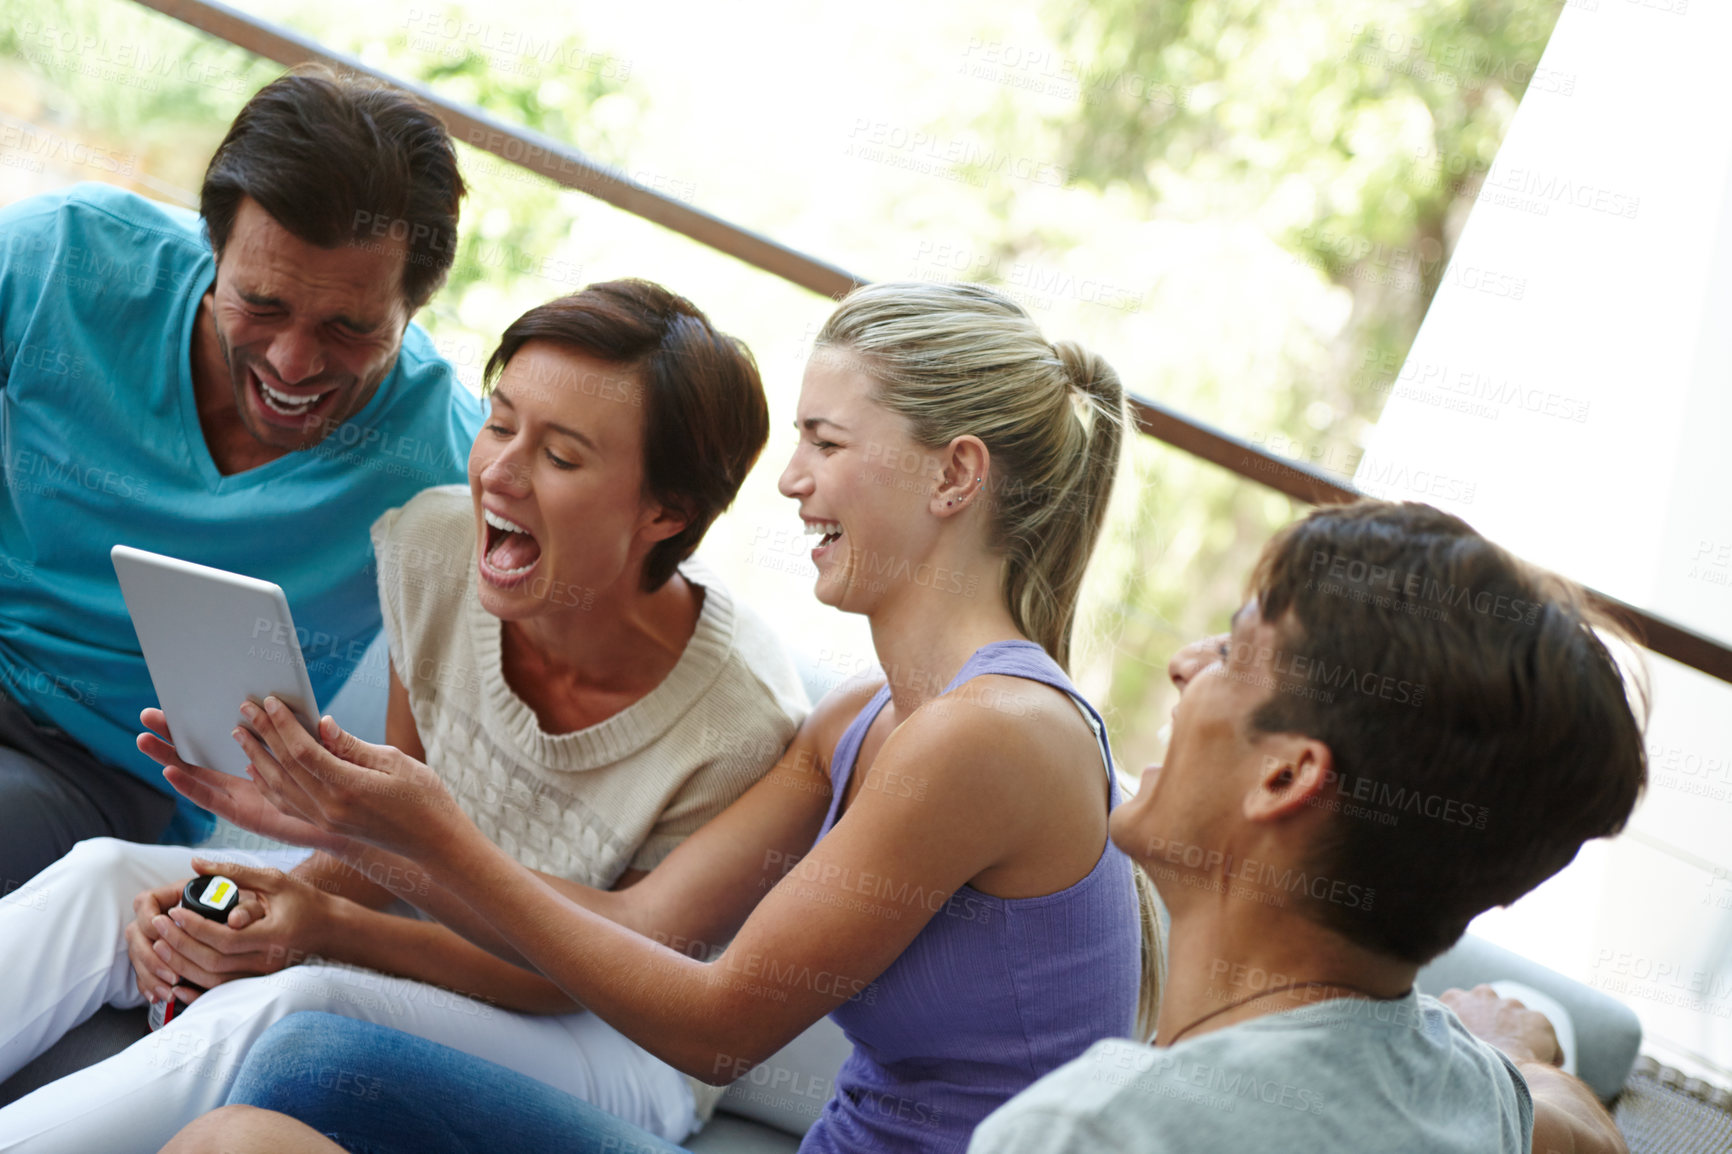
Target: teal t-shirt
{"x":100,"y":445}
{"x":1345,"y":1076}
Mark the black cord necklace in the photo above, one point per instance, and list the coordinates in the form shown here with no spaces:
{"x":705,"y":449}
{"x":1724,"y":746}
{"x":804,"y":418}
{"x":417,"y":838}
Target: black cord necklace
{"x":1282,"y":989}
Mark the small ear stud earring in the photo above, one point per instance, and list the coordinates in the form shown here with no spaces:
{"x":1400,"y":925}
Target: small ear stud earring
{"x":950,"y":502}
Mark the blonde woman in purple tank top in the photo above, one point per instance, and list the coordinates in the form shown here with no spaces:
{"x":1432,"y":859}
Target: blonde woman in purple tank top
{"x":929,"y":860}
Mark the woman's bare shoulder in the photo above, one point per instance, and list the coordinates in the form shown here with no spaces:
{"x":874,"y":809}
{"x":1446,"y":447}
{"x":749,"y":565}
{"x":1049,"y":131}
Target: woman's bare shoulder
{"x":838,"y":708}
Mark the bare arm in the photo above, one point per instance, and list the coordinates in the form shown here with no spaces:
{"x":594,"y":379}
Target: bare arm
{"x":292,"y":920}
{"x":822,"y":934}
{"x":277,"y":925}
{"x":432,"y":953}
{"x":400,"y":729}
{"x":437,"y":902}
{"x":470,"y":956}
{"x":342,"y":865}
{"x":416,"y":885}
{"x":1568,"y":1119}
{"x":342,"y":879}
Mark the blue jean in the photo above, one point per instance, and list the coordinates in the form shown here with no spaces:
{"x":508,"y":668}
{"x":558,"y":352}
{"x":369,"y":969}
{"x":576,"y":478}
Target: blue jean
{"x":375,"y":1090}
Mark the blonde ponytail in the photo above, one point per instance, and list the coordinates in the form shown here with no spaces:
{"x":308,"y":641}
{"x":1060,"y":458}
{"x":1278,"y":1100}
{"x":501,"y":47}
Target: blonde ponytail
{"x":1062,"y":539}
{"x":957,"y":359}
{"x":1154,"y":970}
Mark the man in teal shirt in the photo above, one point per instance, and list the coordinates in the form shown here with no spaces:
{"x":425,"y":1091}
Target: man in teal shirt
{"x":245,"y":392}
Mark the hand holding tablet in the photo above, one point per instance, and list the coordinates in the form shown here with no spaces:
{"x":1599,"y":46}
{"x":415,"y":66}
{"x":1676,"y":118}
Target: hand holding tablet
{"x":221,"y":648}
{"x":212,"y":640}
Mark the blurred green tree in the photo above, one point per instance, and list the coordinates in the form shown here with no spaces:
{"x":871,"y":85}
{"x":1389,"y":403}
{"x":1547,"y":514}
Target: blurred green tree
{"x":162,"y":94}
{"x":1353,"y":133}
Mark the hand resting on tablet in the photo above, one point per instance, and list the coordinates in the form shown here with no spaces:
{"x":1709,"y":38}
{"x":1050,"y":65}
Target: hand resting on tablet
{"x":230,"y":797}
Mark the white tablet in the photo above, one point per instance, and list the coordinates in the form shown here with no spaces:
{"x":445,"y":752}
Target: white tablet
{"x":212,"y":640}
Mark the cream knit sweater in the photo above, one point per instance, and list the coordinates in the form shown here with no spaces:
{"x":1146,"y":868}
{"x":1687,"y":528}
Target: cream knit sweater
{"x":619,"y":794}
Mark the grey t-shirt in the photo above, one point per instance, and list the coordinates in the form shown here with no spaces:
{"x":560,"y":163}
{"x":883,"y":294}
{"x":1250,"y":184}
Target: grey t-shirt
{"x":1336,"y":1077}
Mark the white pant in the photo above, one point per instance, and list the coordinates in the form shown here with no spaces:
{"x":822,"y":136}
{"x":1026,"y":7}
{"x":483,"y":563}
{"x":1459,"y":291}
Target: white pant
{"x":62,"y":956}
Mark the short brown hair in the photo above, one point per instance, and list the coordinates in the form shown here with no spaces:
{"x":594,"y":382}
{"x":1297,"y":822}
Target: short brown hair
{"x":1517,"y":718}
{"x":341,"y":160}
{"x":705,"y":417}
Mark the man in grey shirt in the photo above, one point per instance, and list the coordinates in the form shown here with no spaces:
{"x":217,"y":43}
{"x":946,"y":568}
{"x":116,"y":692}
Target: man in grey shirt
{"x":1405,"y":727}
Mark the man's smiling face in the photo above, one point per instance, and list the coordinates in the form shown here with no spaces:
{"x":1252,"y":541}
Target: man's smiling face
{"x":1215,"y":757}
{"x":307,"y":333}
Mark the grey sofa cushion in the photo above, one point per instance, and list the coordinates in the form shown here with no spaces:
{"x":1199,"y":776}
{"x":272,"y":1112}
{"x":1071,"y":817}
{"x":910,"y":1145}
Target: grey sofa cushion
{"x":730,"y":1134}
{"x":788,"y":1091}
{"x":108,"y":1032}
{"x":1608,"y":1033}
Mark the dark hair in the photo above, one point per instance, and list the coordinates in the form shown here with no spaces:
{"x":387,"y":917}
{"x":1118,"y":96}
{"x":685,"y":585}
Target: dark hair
{"x":342,"y":160}
{"x":1514,"y":740}
{"x":705,"y":419}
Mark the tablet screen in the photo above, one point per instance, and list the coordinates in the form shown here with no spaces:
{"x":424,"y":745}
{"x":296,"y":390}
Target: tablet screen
{"x":212,"y":640}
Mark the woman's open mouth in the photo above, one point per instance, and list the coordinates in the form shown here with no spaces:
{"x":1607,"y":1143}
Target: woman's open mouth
{"x":509,"y":552}
{"x":289,"y":410}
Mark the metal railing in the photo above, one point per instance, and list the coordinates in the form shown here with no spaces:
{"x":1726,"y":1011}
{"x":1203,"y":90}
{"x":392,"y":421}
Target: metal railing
{"x":563,"y":164}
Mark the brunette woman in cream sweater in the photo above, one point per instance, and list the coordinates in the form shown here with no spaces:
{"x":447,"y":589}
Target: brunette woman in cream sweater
{"x":586,"y":693}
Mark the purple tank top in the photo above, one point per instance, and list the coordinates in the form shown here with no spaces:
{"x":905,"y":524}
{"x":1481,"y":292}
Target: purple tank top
{"x":992,"y":993}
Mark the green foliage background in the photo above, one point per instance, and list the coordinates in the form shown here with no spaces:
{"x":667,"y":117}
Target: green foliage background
{"x":1270,"y":191}
{"x":1355,"y":135}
